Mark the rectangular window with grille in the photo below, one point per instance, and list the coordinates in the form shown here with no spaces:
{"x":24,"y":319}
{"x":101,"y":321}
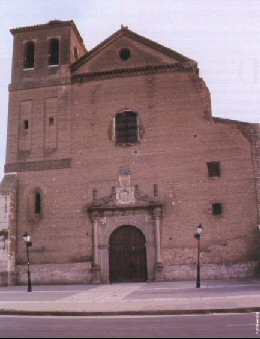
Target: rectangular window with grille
{"x":126,"y":128}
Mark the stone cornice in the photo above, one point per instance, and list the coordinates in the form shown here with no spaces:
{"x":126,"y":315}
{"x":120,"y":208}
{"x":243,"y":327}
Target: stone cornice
{"x":123,"y":208}
{"x":122,"y":72}
{"x":114,"y":73}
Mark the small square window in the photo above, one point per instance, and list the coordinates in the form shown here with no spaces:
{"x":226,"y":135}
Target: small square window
{"x":213,"y":169}
{"x":26,"y":124}
{"x":217,"y":209}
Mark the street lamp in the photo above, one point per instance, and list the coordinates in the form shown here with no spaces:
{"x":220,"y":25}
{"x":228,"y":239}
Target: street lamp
{"x":197,"y":237}
{"x":27,"y":239}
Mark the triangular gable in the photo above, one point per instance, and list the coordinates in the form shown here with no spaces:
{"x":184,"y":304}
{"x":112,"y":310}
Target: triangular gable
{"x":126,"y":49}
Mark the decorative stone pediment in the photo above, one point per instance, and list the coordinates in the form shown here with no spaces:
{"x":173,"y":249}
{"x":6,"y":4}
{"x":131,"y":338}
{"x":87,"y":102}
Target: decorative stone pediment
{"x":127,"y":197}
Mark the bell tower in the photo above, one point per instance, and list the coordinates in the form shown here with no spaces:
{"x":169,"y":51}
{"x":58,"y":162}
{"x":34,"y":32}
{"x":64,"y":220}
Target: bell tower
{"x":39,"y":114}
{"x":44,"y":52}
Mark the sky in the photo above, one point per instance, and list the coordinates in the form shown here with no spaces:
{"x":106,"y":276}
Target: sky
{"x":223,"y":36}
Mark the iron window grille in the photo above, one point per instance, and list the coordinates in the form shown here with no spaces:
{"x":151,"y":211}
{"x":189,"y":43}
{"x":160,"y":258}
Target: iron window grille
{"x":126,"y":128}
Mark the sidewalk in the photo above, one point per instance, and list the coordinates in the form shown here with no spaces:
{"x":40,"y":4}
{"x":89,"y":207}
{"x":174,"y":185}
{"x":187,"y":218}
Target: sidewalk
{"x":137,"y":298}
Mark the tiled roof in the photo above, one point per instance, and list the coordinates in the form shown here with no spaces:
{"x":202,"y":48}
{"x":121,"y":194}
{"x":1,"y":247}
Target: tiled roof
{"x":50,"y":24}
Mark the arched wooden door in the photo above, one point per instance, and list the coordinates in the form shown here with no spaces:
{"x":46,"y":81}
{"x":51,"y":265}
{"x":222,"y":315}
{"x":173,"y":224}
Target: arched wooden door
{"x":127,"y":255}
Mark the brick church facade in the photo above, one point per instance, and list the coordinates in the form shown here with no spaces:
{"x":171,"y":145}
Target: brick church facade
{"x":113,"y":160}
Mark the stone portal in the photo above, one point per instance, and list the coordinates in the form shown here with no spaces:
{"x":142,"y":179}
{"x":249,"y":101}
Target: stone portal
{"x":127,"y":223}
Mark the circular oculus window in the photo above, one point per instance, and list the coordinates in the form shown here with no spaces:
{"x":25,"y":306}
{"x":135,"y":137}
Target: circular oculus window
{"x":125,"y":53}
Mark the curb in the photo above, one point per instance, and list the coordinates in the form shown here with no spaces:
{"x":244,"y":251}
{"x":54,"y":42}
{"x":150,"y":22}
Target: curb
{"x":127,"y":313}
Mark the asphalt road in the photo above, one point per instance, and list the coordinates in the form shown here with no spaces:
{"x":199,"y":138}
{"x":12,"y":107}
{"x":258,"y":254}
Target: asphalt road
{"x":194,"y":326}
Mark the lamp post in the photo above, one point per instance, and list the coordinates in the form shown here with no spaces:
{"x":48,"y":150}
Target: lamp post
{"x":197,"y":236}
{"x":27,"y":239}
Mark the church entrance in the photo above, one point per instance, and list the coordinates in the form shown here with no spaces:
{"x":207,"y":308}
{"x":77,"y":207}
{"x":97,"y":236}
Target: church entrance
{"x":127,"y":255}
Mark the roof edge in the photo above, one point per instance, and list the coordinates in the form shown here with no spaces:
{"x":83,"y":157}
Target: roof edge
{"x":238,"y":122}
{"x":248,"y":129}
{"x":140,"y":38}
{"x":50,"y":24}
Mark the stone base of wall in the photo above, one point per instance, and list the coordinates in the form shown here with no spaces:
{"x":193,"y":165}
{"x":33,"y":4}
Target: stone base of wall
{"x":55,"y":274}
{"x":3,"y":273}
{"x":81,"y":273}
{"x":213,"y":271}
{"x":3,"y":278}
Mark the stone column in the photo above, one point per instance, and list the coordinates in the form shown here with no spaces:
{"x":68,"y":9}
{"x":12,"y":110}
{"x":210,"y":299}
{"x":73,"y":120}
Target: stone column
{"x":96,"y":269}
{"x":159,"y":267}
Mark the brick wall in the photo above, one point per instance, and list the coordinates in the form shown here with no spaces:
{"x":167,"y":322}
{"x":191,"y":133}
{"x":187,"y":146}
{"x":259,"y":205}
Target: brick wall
{"x":256,"y":161}
{"x":172,"y":154}
{"x":179,"y":137}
